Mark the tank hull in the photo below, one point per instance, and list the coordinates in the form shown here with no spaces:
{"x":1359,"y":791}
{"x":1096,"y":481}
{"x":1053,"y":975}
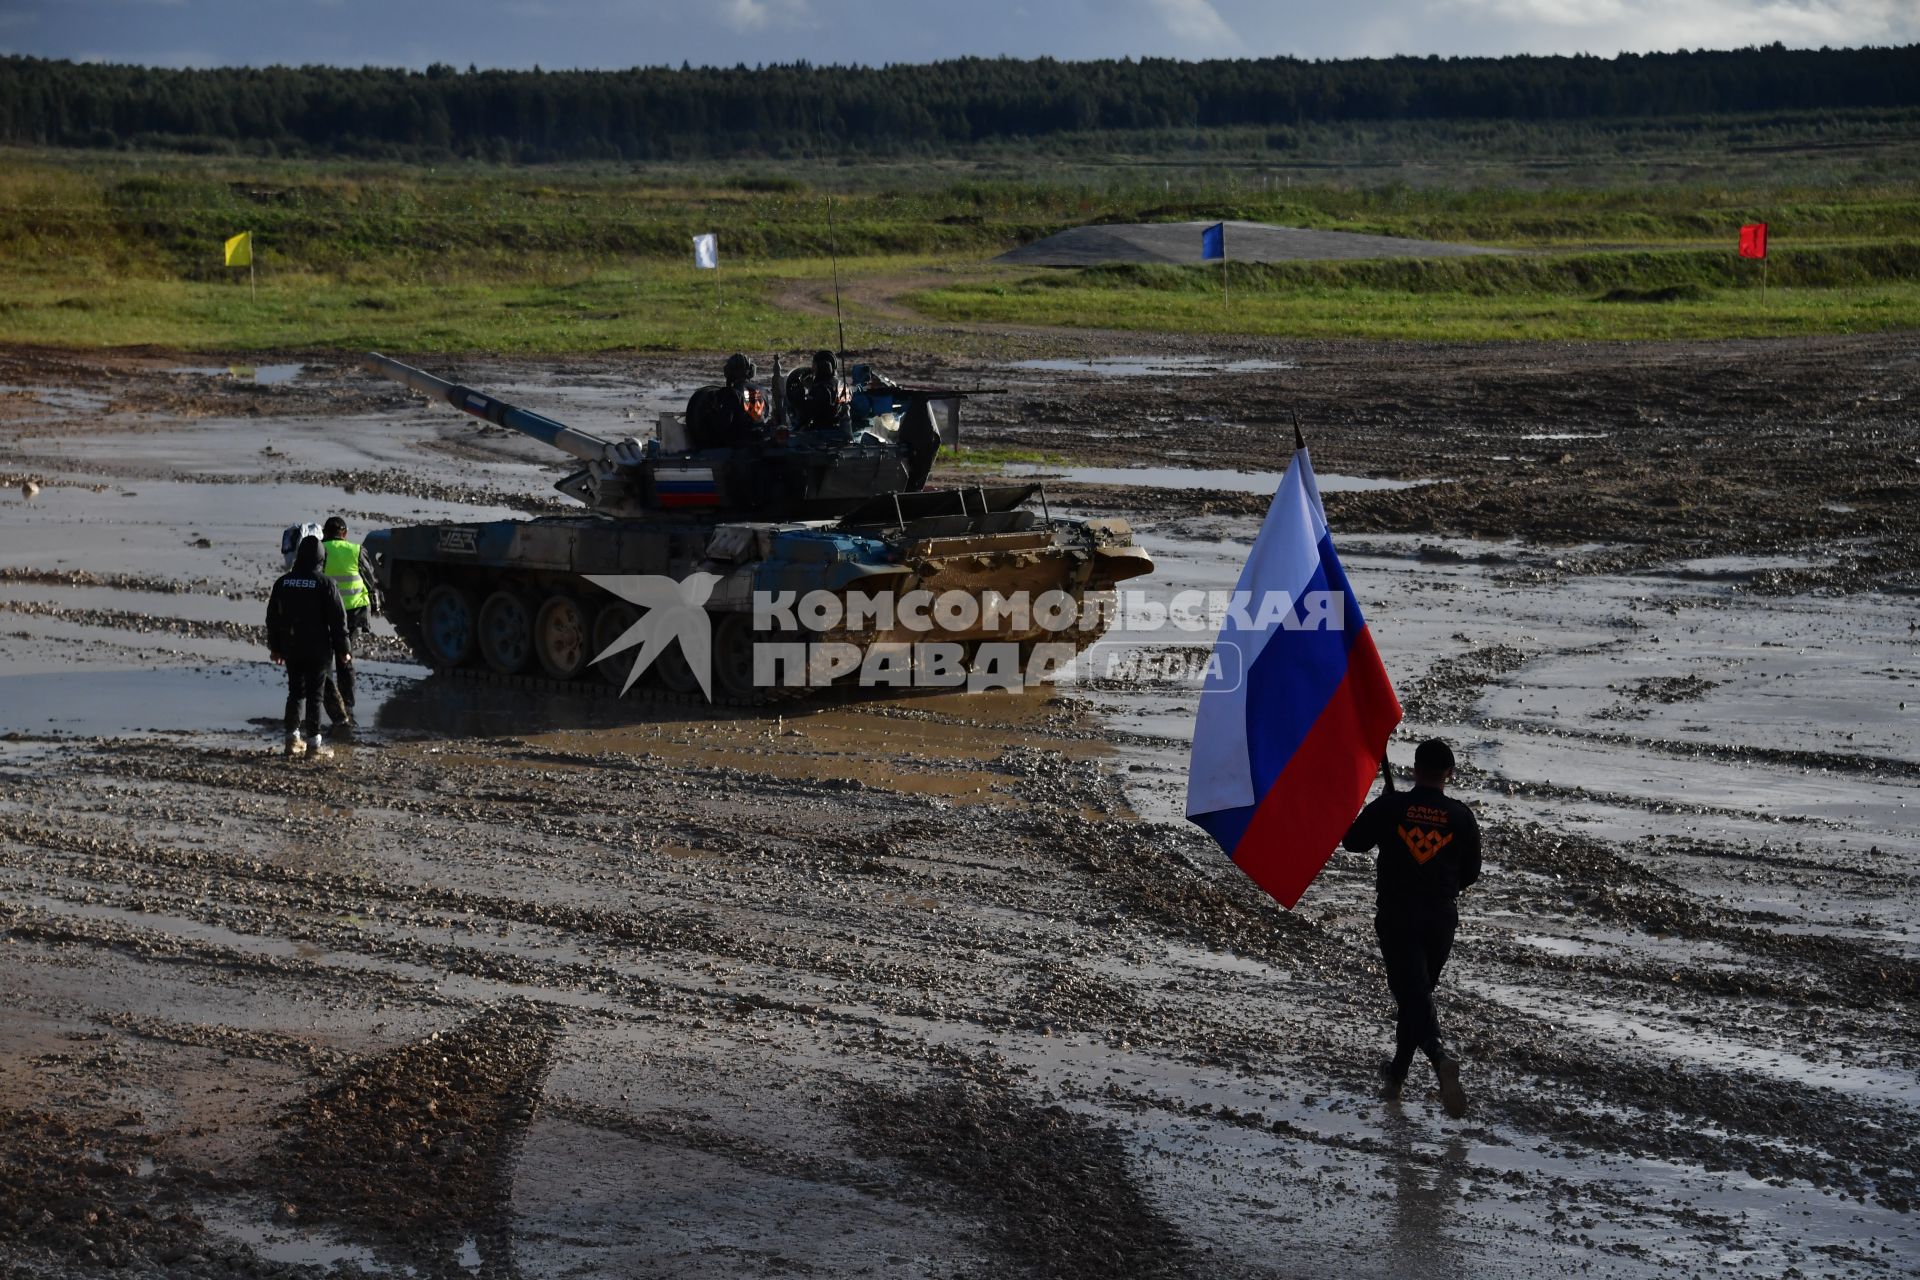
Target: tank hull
{"x":791,"y":608}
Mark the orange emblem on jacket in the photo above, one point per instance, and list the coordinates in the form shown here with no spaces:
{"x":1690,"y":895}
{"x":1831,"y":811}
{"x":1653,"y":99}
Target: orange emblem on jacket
{"x":1422,"y":843}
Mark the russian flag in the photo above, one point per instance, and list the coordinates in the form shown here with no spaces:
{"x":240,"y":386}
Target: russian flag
{"x":1288,"y":738}
{"x":681,"y":485}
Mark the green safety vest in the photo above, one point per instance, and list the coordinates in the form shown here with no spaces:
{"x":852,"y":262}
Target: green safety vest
{"x":343,"y":566}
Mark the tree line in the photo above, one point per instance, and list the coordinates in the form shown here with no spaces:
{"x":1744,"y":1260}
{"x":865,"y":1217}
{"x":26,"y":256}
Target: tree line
{"x":798,"y":109}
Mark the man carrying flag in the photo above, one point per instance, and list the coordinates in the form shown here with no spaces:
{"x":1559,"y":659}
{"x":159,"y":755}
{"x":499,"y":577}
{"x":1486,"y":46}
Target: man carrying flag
{"x":1293,"y":723}
{"x":1429,"y":851}
{"x":1297,"y":707}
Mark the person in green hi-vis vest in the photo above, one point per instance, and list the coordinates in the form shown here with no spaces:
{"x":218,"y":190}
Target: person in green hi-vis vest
{"x":347,"y":567}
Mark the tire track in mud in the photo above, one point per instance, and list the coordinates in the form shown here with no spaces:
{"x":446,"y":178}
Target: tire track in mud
{"x":1027,"y":1168}
{"x":412,"y":1150}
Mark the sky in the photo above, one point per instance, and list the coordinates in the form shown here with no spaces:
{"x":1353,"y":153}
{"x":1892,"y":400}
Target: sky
{"x":625,"y":33}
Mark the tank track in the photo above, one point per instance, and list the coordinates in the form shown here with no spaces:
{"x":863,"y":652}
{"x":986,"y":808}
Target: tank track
{"x":646,"y":692}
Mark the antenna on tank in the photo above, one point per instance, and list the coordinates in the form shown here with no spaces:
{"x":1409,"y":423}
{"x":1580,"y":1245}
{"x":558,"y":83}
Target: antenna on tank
{"x":833,"y":251}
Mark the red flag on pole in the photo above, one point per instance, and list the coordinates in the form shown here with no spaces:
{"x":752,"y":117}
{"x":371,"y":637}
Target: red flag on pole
{"x":1753,"y":240}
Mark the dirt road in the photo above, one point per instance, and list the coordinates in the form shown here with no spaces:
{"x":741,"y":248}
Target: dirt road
{"x":522,"y":985}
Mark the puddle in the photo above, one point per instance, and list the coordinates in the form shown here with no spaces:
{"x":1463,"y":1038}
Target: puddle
{"x":1156,"y":366}
{"x":226,"y":533}
{"x":65,"y":399}
{"x":177,"y":699}
{"x":295,"y":1246}
{"x":265,"y":375}
{"x":1200,"y":478}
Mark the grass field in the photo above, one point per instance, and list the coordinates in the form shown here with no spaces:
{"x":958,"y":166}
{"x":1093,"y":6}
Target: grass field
{"x":635,"y":305}
{"x":109,"y":249}
{"x":1696,"y":293}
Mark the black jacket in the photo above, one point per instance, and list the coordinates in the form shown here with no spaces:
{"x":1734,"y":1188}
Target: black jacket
{"x":306,"y":623}
{"x":1429,"y":845}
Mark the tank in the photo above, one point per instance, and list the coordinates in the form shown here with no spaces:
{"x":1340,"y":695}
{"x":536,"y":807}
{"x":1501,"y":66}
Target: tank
{"x":800,"y":555}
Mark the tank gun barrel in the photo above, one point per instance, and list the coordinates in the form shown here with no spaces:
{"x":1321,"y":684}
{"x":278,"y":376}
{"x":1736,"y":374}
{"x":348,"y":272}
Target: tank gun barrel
{"x":586,"y":447}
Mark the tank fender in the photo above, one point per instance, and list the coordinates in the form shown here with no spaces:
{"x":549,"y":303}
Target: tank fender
{"x":734,"y":592}
{"x":739,"y":543}
{"x":824,"y":559}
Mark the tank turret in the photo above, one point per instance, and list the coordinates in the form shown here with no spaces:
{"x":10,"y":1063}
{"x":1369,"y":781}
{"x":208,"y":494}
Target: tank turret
{"x":779,"y":471}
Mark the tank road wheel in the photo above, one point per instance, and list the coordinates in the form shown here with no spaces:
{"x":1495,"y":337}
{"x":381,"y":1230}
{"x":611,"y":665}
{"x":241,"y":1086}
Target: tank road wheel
{"x":611,"y":623}
{"x":733,"y":641}
{"x":446,"y":625}
{"x":506,"y":633}
{"x":409,"y":592}
{"x":675,"y":672}
{"x":561,"y":638}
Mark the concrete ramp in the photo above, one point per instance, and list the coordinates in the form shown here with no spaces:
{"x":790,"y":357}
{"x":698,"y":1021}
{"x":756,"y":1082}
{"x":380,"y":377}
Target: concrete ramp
{"x":1179,"y":242}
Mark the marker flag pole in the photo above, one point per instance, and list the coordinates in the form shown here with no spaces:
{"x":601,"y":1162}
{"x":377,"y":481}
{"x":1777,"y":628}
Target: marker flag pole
{"x":1213,"y":244}
{"x":706,"y":257}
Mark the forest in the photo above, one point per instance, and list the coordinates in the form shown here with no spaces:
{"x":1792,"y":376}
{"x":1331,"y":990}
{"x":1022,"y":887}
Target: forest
{"x":946,"y":108}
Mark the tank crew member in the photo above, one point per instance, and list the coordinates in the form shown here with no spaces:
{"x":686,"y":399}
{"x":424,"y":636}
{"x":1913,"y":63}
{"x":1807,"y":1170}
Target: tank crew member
{"x":746,"y":407}
{"x":306,"y":625}
{"x":825,"y":406}
{"x":729,"y":416}
{"x":1429,"y":851}
{"x":345,"y":564}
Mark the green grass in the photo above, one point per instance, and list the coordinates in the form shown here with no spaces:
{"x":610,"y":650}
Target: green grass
{"x":1618,"y":295}
{"x":629,"y":306}
{"x":993,"y":457}
{"x":101,"y":249}
{"x":1383,"y":314}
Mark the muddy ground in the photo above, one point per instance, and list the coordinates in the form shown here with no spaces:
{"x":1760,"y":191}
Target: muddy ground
{"x":532,"y":985}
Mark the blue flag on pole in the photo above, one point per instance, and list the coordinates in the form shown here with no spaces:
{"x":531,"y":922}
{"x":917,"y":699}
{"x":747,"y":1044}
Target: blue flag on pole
{"x":1213,"y":242}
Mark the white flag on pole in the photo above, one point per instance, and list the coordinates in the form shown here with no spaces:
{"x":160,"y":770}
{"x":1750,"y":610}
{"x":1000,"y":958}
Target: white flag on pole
{"x":706,"y":252}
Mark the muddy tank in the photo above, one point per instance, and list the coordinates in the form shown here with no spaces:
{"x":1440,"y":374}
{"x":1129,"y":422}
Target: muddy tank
{"x":791,"y":519}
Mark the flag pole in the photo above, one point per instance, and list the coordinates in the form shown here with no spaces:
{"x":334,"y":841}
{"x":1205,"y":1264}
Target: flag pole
{"x":1226,"y":295}
{"x":1299,"y":441}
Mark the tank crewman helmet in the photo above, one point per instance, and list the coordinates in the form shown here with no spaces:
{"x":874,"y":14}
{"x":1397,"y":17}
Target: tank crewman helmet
{"x":739,"y":368}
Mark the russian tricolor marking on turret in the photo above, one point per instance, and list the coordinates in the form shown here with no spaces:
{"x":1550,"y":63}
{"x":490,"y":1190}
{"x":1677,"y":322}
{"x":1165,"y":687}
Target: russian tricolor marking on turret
{"x":682,"y":485}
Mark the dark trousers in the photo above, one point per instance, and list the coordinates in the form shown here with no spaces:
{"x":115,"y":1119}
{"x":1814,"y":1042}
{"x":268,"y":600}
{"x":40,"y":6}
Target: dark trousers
{"x":304,"y":683}
{"x":340,"y":705}
{"x":1415,"y":939}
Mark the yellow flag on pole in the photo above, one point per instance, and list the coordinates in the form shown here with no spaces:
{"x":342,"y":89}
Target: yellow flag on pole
{"x":240,"y":250}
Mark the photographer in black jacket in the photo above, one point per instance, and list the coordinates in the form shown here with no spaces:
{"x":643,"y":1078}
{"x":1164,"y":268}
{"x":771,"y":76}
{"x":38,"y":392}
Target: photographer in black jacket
{"x":1429,"y":851}
{"x":307,"y":630}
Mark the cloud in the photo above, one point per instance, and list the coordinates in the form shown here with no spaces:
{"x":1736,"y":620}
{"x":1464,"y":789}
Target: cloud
{"x":1605,"y":26}
{"x":757,"y":15}
{"x":1194,"y":22}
